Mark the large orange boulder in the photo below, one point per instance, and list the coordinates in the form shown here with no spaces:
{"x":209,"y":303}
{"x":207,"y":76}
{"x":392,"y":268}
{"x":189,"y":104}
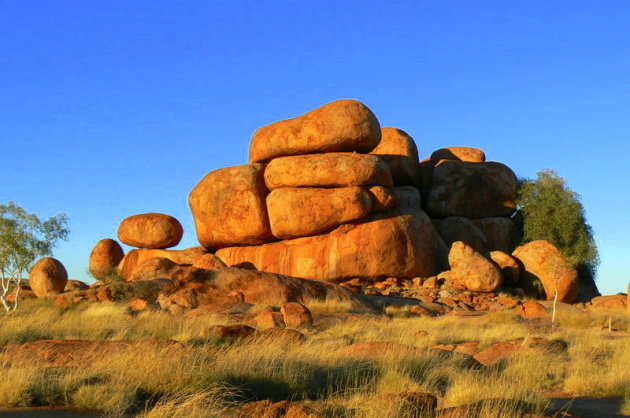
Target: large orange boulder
{"x":500,"y":233}
{"x":104,"y":259}
{"x":299,"y":212}
{"x":401,"y":243}
{"x":457,"y":228}
{"x":343,"y":125}
{"x":468,"y":154}
{"x":471,"y":190}
{"x":48,"y":277}
{"x":136,"y":257}
{"x":472,"y":269}
{"x":400,"y":152}
{"x":150,"y":230}
{"x":545,"y":264}
{"x":509,"y":266}
{"x":335,"y":169}
{"x":229,"y":207}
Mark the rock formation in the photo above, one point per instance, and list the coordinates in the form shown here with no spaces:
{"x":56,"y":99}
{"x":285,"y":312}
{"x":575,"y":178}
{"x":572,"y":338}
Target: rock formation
{"x":105,"y":258}
{"x":48,"y":277}
{"x":150,"y":230}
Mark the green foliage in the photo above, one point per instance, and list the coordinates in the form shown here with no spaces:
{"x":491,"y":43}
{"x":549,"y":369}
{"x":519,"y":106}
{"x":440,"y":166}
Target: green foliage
{"x":24,"y":238}
{"x":549,"y":210}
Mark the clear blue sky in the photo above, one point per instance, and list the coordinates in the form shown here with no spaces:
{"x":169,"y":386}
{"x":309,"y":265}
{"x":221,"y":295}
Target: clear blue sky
{"x":112,"y":108}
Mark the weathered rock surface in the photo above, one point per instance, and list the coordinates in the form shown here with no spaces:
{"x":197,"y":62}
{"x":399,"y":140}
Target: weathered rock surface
{"x":136,"y":257}
{"x":208,"y":262}
{"x":72,"y":285}
{"x":499,"y":232}
{"x":509,"y":266}
{"x":530,"y":309}
{"x":48,"y":277}
{"x":336,"y":169}
{"x":471,"y":190}
{"x":195,"y":287}
{"x":610,"y":302}
{"x":400,"y":152}
{"x":104,"y":259}
{"x":400,"y":242}
{"x":150,"y":230}
{"x":505,"y":349}
{"x":343,"y":125}
{"x":467,"y":154}
{"x":473,"y":270}
{"x":457,"y":228}
{"x":383,"y":198}
{"x":296,"y":315}
{"x":299,"y":212}
{"x":229,"y":207}
{"x":544,"y":263}
{"x":115,"y":292}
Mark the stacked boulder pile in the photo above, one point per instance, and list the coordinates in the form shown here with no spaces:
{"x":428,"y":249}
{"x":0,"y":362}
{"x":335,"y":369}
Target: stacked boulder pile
{"x":330,"y":196}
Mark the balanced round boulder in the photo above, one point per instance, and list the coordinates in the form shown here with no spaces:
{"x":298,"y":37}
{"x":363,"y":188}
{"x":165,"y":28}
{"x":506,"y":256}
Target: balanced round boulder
{"x":509,"y":266}
{"x":471,"y":155}
{"x":400,"y":152}
{"x":545,"y":264}
{"x":105,"y":258}
{"x":472,"y":269}
{"x":343,"y":125}
{"x":457,"y":228}
{"x":334,"y":169}
{"x":48,"y":277}
{"x":472,"y":190}
{"x":229,"y":207}
{"x":150,"y":230}
{"x":299,"y":212}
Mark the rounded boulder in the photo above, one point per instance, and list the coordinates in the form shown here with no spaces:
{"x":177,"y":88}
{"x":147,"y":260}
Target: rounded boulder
{"x":150,"y":230}
{"x":472,"y":269}
{"x":48,"y":277}
{"x":105,"y":257}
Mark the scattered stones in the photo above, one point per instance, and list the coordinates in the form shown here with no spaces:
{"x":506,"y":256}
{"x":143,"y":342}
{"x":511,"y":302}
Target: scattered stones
{"x":544,"y":263}
{"x":472,"y":269}
{"x":104,"y":259}
{"x":267,"y":319}
{"x":296,"y":315}
{"x":150,"y":230}
{"x":48,"y":277}
{"x":343,"y":125}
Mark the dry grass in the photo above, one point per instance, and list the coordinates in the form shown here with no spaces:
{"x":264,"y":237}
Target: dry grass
{"x":208,"y":379}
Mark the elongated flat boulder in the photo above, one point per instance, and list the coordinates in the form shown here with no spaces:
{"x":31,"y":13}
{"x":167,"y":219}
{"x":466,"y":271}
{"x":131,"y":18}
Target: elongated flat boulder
{"x":545,"y":264}
{"x":400,"y":243}
{"x":136,"y":257}
{"x":300,"y":212}
{"x":468,"y":154}
{"x":334,"y":169}
{"x":229,"y":207}
{"x":400,"y":153}
{"x":150,"y":230}
{"x":343,"y":125}
{"x":472,"y":190}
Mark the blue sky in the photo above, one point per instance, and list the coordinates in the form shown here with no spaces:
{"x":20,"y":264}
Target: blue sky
{"x":109,"y":109}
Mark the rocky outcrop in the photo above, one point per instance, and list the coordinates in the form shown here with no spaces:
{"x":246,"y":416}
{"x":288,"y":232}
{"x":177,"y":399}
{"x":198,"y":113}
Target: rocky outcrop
{"x":473,"y":270}
{"x":337,"y":169}
{"x":136,"y":257}
{"x":229,"y":207}
{"x":400,"y":152}
{"x":343,"y":125}
{"x":471,"y":190}
{"x":104,"y":259}
{"x":401,"y":242}
{"x":150,"y":230}
{"x":48,"y":277}
{"x":544,"y":264}
{"x":298,"y":212}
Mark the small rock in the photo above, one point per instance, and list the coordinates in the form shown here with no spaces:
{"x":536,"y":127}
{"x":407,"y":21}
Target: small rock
{"x":296,"y":315}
